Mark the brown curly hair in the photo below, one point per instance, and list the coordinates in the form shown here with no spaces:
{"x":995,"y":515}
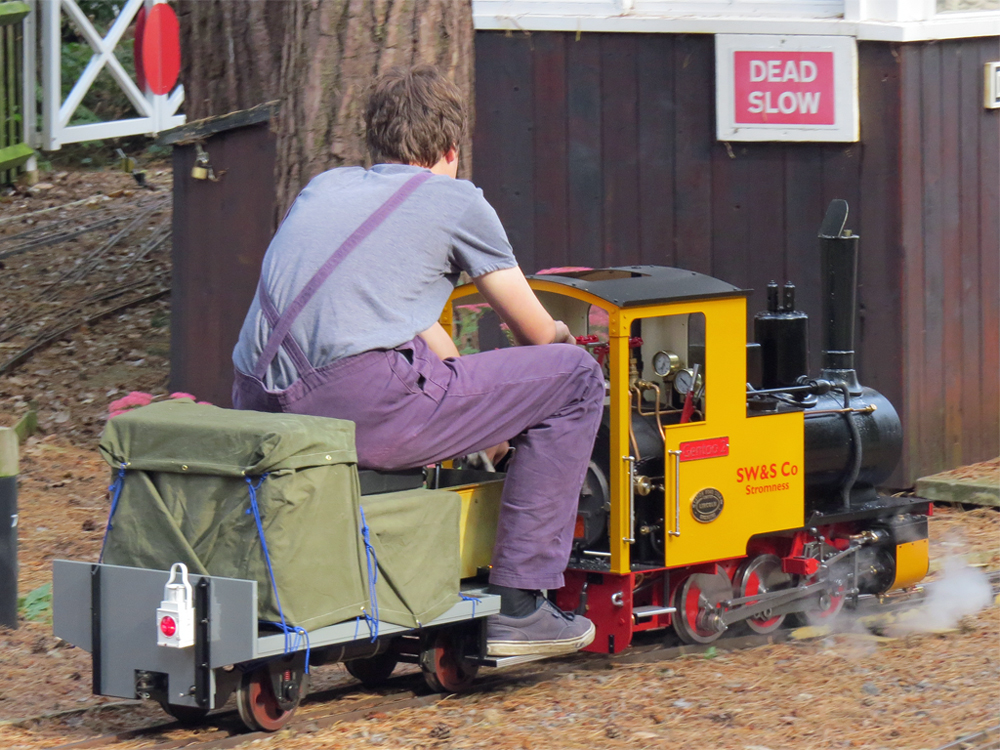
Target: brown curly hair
{"x":414,"y":115}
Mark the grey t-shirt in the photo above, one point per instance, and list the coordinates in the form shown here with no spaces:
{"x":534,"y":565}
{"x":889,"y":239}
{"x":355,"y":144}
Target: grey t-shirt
{"x":388,"y":289}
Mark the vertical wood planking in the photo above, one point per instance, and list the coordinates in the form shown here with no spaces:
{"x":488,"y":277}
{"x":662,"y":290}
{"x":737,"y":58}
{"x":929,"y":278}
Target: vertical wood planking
{"x":220,"y":233}
{"x":879,"y":347}
{"x":932,"y":394}
{"x":583,"y":76}
{"x":515,"y":105}
{"x":488,"y":139}
{"x":989,"y":239}
{"x":970,"y":363}
{"x":950,"y":253}
{"x":620,"y":148}
{"x":657,"y":110}
{"x":551,"y":160}
{"x":804,"y":211}
{"x":694,"y":75}
{"x":911,"y":167}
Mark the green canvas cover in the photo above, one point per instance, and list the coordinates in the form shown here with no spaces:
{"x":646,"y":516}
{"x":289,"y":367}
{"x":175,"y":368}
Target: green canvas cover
{"x":415,"y":535}
{"x":185,"y":498}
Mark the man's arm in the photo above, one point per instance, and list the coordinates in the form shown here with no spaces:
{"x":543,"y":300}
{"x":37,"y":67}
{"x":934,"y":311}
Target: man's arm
{"x":513,"y":300}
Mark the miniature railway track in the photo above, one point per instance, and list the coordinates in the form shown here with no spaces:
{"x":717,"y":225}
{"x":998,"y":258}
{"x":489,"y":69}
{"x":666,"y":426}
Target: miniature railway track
{"x":91,"y":284}
{"x":322,"y":709}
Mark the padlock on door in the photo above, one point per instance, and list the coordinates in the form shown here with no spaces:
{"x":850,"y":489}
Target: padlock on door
{"x":175,"y":616}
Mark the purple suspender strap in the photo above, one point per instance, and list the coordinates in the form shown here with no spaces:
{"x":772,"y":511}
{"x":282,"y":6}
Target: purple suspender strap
{"x":281,"y":328}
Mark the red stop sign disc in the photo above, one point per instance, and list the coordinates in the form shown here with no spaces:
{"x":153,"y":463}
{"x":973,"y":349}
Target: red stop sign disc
{"x":167,"y":626}
{"x":140,"y":27}
{"x":161,"y":49}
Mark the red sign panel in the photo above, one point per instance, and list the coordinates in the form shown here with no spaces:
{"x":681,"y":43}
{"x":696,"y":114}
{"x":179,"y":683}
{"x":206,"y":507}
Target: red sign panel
{"x":161,"y":49}
{"x":696,"y":450}
{"x":784,"y":88}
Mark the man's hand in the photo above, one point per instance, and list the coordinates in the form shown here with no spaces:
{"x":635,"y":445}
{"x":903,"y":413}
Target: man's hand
{"x":563,"y":336}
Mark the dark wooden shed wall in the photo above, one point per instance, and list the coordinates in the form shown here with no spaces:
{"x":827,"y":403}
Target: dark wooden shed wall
{"x":220,"y":232}
{"x":950,"y":172}
{"x":601,"y":150}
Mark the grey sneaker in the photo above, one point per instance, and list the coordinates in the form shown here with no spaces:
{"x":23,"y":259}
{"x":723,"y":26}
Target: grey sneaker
{"x":546,"y":631}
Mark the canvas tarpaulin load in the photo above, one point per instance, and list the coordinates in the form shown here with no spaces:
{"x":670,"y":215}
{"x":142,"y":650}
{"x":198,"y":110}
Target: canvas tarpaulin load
{"x":185,"y":497}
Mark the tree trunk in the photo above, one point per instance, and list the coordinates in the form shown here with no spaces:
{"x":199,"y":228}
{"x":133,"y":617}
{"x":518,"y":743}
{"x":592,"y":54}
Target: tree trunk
{"x":332,"y":50}
{"x":230,"y":54}
{"x":317,"y":57}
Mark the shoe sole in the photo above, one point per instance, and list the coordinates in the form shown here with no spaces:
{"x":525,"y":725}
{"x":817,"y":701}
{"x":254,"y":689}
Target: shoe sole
{"x":540,"y":648}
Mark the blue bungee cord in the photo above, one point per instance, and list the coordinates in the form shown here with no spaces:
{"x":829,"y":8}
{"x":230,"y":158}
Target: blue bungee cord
{"x":473,"y":599}
{"x":286,"y":629}
{"x":115,"y":489}
{"x":372,"y":561}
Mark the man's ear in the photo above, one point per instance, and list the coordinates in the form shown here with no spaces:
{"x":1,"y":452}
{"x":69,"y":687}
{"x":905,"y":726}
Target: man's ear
{"x":451,"y":155}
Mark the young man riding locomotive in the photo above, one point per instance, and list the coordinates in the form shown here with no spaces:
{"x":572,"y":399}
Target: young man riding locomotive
{"x":344,"y":324}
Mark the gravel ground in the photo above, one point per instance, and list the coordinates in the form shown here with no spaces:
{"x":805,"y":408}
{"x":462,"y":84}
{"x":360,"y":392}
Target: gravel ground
{"x":849,"y":690}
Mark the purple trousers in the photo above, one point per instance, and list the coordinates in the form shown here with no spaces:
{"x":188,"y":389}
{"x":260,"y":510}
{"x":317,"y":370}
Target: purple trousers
{"x":412,"y":409}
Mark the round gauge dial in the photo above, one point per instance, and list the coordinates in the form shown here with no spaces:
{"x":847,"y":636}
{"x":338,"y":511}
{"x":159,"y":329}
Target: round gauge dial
{"x":666,"y":363}
{"x":683,"y":381}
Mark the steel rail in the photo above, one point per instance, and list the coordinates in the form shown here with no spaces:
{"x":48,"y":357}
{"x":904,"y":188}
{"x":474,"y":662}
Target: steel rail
{"x":24,"y":354}
{"x":987,"y":739}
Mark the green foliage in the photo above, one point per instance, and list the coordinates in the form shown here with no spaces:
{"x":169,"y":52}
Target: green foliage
{"x":36,"y":606}
{"x":105,"y":100}
{"x":711,"y":652}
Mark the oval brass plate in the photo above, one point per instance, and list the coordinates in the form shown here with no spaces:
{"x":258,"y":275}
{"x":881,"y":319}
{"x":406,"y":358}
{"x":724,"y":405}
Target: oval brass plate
{"x":707,"y":505}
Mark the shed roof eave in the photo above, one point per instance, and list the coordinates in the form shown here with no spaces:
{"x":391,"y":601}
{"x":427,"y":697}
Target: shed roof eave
{"x":517,"y":17}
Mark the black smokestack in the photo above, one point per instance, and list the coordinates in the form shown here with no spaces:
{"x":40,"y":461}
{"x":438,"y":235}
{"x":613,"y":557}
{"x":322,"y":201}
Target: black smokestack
{"x":839,"y":259}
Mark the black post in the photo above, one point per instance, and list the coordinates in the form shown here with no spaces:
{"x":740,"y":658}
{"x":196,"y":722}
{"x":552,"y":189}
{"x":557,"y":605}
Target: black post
{"x":8,"y":527}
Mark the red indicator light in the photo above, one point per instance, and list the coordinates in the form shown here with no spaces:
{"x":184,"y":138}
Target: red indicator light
{"x":167,"y":626}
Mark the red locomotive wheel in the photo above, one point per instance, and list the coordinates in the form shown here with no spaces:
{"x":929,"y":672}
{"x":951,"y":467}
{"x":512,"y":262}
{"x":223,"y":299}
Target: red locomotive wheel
{"x":257,"y":704}
{"x":757,"y":576}
{"x":695,"y":601}
{"x":444,"y":664}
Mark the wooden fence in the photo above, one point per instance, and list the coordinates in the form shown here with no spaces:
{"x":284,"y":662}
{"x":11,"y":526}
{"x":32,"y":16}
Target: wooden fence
{"x":13,"y":151}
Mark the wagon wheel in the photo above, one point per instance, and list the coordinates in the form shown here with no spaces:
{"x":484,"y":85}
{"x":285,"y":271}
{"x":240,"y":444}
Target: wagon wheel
{"x":444,"y":661}
{"x":185,"y":715}
{"x":695,"y":601}
{"x":758,"y":576}
{"x":259,"y":707}
{"x":375,"y":670}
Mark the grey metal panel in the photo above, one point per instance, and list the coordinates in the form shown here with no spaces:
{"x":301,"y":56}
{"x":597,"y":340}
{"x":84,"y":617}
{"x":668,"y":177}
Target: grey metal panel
{"x":129,"y":599}
{"x":71,"y":602}
{"x":347,"y":632}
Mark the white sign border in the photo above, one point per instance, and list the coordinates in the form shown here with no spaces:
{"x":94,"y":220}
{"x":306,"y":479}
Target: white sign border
{"x":846,"y":127}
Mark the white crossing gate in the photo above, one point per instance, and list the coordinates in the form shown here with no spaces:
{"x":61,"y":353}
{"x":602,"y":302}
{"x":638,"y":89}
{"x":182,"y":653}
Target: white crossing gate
{"x":156,"y":112}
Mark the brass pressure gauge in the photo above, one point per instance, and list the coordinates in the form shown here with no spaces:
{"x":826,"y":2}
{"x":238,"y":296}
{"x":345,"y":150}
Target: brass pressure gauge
{"x":683,"y":381}
{"x":666,"y":364}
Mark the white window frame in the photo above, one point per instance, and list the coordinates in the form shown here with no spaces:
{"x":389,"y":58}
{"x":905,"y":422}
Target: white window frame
{"x":873,"y":20}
